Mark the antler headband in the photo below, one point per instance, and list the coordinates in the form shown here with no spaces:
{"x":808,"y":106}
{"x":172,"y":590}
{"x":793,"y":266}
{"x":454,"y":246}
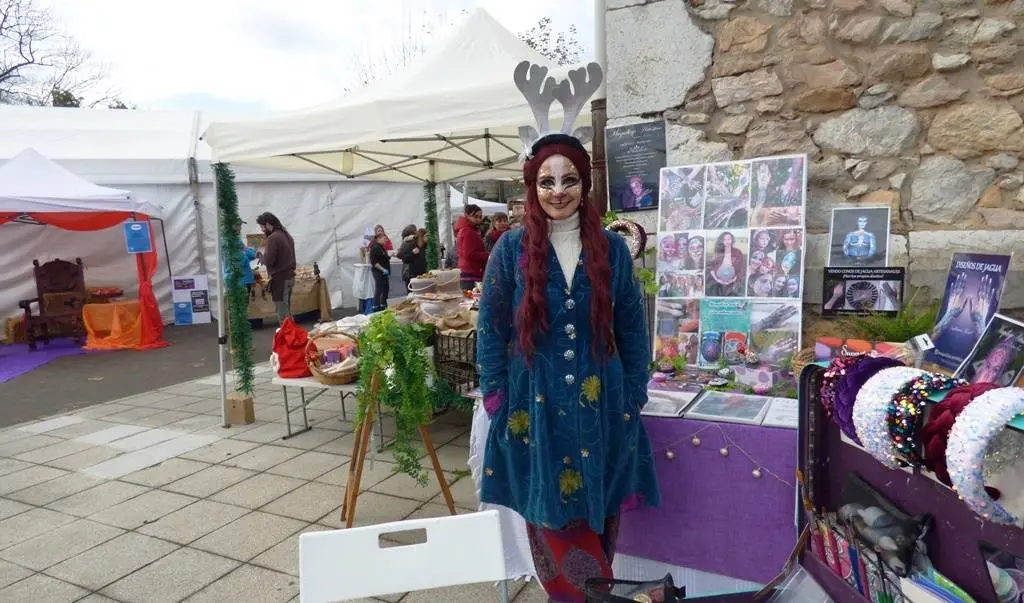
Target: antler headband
{"x":541,"y":90}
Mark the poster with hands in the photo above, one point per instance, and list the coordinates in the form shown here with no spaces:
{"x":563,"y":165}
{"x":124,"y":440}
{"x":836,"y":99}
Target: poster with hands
{"x":973,"y":289}
{"x":731,"y":247}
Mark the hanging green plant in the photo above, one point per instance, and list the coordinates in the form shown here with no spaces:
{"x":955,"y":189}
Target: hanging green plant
{"x":395,"y":351}
{"x":430,"y":211}
{"x":234,"y":291}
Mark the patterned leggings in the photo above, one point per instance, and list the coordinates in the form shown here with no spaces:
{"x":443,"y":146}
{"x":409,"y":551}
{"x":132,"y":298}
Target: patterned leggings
{"x":565,"y":558}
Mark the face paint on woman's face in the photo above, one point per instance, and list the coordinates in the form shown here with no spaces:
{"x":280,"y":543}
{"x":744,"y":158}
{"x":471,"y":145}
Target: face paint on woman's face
{"x":559,"y":187}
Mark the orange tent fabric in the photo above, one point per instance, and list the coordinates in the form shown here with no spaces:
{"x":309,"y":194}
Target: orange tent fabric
{"x":150,"y":324}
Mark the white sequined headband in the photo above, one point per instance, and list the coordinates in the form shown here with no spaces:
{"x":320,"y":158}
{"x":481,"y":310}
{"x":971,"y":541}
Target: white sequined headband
{"x":871,"y":409}
{"x":541,"y":90}
{"x":976,"y":427}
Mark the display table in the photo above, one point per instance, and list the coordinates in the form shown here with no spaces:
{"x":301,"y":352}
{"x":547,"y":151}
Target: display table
{"x":715,"y":515}
{"x":307,"y":296}
{"x":715,"y":518}
{"x":113,"y":325}
{"x":344,"y":392}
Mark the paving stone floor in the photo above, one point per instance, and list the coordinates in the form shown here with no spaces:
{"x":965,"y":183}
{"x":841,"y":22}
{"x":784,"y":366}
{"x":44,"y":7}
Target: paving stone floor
{"x":148,"y":499}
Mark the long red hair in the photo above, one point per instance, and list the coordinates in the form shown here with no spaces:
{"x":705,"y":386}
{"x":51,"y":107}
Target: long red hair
{"x":532,"y":318}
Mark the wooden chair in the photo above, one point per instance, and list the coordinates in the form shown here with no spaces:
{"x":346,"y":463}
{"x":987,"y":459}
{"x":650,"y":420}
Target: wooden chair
{"x":60,"y":295}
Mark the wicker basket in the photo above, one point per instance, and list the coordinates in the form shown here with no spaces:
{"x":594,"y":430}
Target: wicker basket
{"x":324,"y":341}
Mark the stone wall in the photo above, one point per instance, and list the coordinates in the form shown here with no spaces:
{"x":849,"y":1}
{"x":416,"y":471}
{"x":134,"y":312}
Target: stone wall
{"x":915,"y":104}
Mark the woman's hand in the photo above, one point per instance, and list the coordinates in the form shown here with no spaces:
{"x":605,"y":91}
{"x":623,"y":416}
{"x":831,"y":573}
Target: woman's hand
{"x":837,"y":294}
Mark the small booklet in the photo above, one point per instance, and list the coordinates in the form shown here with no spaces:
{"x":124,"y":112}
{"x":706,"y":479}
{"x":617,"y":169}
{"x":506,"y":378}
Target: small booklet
{"x":667,"y":404}
{"x":782,"y":412}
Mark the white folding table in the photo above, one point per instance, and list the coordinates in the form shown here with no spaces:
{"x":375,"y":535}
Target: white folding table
{"x":344,"y":392}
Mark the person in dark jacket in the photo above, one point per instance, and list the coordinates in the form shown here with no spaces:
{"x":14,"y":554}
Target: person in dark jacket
{"x":380,"y":263}
{"x":414,"y":256}
{"x":404,"y":251}
{"x":279,"y":258}
{"x":470,"y":245}
{"x":499,"y":226}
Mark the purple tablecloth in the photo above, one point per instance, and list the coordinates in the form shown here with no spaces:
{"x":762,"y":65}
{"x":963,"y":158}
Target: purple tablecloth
{"x":715,"y":515}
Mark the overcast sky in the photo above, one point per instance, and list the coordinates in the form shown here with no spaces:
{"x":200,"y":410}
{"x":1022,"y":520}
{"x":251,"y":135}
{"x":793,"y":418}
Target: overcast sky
{"x":258,"y":55}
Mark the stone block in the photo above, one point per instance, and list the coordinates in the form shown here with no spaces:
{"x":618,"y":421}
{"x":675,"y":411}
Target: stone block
{"x":945,"y":189}
{"x":885,"y":131}
{"x":243,"y":583}
{"x":688,"y":146}
{"x":192,"y":522}
{"x":825,"y":100}
{"x":932,"y":91}
{"x":745,"y":87}
{"x":53,"y":547}
{"x":931,"y":252}
{"x":949,"y":62}
{"x":775,"y":137}
{"x":650,"y":77}
{"x":977,"y":127}
{"x":111,"y":560}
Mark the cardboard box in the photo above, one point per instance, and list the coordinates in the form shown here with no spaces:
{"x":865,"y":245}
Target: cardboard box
{"x":240,"y":409}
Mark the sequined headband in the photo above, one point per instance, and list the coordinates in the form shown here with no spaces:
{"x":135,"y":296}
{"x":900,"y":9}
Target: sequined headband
{"x":872,"y":407}
{"x":850,"y":385}
{"x":979,"y":423}
{"x":935,"y":433}
{"x":833,"y":374}
{"x":907,"y":408}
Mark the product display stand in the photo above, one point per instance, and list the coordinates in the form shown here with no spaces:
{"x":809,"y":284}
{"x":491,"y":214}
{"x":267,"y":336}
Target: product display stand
{"x":957,"y":533}
{"x":360,"y":447}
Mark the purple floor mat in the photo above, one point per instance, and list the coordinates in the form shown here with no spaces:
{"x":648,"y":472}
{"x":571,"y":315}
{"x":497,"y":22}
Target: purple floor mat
{"x":17,"y":359}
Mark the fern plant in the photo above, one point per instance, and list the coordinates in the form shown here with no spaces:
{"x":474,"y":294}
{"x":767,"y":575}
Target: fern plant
{"x":912,"y":320}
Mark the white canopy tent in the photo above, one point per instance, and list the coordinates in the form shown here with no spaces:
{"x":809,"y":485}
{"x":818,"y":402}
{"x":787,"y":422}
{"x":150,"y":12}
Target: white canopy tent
{"x":158,"y":158}
{"x":453,"y":116}
{"x":31,"y":183}
{"x":488,"y":207}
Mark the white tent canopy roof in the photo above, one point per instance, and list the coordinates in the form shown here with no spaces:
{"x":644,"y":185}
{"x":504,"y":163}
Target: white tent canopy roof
{"x":31,"y":183}
{"x":488,"y":207}
{"x":452,"y":116}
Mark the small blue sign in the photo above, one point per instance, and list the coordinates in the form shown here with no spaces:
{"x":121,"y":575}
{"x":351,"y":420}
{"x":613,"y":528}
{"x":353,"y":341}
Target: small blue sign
{"x":136,"y":237}
{"x":182,"y":313}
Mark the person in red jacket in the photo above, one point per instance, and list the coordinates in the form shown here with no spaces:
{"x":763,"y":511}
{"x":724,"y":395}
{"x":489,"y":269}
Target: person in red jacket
{"x":470,"y":245}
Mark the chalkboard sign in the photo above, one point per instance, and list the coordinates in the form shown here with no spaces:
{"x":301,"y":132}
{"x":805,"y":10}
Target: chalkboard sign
{"x":635,"y":155}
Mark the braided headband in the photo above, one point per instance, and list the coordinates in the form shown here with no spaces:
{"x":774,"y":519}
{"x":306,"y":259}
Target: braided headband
{"x":978,"y":424}
{"x":872,"y":407}
{"x":935,"y":433}
{"x":908,"y":406}
{"x":850,"y":385}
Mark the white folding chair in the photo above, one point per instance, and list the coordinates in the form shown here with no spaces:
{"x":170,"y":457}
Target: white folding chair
{"x":339,"y":565}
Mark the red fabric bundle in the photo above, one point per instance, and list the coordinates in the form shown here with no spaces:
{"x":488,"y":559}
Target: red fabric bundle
{"x":935,"y":434}
{"x":290,"y":346}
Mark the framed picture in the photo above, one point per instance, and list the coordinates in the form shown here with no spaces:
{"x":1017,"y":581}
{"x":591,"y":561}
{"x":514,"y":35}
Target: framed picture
{"x":862,"y":291}
{"x":998,"y":357}
{"x":635,"y":155}
{"x":860,"y":237}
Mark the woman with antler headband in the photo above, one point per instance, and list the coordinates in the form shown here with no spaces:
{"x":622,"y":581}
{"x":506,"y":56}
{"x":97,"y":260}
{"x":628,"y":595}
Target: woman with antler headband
{"x":563,"y":349}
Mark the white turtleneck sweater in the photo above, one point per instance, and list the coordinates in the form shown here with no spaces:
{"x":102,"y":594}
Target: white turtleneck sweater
{"x":565,"y":239}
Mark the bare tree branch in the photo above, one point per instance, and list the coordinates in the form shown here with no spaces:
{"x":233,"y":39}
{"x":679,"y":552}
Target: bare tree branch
{"x":39,"y":64}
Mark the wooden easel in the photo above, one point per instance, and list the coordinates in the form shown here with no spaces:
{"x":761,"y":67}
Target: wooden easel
{"x":360,"y":448}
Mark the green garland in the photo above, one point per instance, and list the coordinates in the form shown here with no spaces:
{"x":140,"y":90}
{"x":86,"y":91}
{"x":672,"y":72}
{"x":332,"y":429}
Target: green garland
{"x":388,"y":346}
{"x":231,"y":256}
{"x":430,"y":210}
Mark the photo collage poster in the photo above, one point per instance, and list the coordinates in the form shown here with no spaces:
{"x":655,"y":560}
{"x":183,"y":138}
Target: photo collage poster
{"x":730,"y":263}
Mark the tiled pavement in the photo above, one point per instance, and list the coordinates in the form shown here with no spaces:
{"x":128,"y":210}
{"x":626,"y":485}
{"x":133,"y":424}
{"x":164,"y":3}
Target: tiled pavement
{"x":148,"y":500}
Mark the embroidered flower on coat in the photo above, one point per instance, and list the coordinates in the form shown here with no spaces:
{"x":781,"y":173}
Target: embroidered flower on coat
{"x":569,"y":482}
{"x":519,"y":422}
{"x":591,"y":389}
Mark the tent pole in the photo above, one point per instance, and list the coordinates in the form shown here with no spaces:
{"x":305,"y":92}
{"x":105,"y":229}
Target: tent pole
{"x":599,"y":114}
{"x":167,"y":251}
{"x":221,"y":314}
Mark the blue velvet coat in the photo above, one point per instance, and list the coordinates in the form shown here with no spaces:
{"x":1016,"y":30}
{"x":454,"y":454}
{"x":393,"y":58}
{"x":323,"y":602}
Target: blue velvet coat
{"x":567,"y":442}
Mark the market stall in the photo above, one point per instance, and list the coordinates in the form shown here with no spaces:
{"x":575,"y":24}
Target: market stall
{"x":34,"y":190}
